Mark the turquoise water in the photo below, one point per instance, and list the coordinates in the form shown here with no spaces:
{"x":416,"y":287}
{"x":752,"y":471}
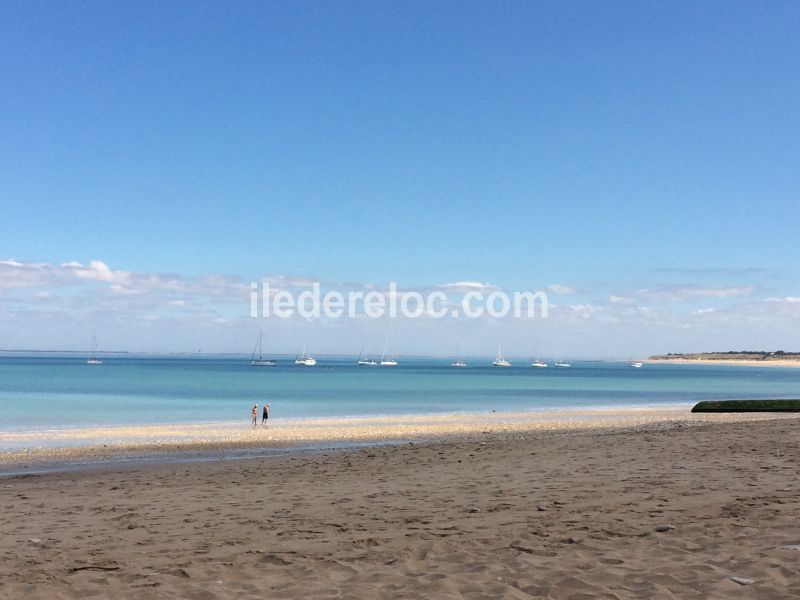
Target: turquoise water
{"x":59,"y":392}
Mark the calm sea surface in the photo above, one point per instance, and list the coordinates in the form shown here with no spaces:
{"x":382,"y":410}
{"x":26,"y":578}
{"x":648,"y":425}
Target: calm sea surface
{"x":59,"y":392}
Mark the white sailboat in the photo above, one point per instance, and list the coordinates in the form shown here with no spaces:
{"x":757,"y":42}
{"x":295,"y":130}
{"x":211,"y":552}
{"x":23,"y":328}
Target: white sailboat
{"x":560,"y":362}
{"x":304,"y":359}
{"x":93,"y":360}
{"x":636,"y":365}
{"x":536,"y":363}
{"x":387,"y":361}
{"x":499,"y":360}
{"x":458,"y":362}
{"x":260,"y":361}
{"x":366,"y":361}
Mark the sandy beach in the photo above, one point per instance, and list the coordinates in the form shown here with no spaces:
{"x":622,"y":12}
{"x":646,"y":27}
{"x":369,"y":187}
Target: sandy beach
{"x":669,"y":510}
{"x":27,"y":450}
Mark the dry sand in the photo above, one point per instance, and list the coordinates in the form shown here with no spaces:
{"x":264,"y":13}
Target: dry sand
{"x":508,"y":514}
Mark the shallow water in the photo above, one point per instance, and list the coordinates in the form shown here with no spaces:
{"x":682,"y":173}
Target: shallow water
{"x":56,"y":392}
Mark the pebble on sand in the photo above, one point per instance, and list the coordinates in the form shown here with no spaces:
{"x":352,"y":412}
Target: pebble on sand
{"x":663,"y":528}
{"x":742,"y":580}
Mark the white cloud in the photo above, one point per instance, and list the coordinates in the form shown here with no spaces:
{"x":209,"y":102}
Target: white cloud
{"x":683,"y":293}
{"x":462,"y":287}
{"x":585,"y":311}
{"x":714,"y":271}
{"x":785,"y":300}
{"x":283,"y":282}
{"x":71,"y":298}
{"x":16,"y":275}
{"x":559,"y":289}
{"x":678,"y":293}
{"x":97,"y":270}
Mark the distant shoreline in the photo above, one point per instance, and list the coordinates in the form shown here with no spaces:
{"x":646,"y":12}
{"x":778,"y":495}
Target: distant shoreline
{"x":727,"y":361}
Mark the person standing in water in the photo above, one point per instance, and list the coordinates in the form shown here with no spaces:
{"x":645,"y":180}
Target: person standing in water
{"x":265,"y":415}
{"x":254,"y":413}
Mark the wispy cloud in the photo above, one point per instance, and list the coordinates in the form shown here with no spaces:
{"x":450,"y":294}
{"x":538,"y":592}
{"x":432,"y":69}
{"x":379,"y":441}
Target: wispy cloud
{"x":561,"y":290}
{"x":15,"y":274}
{"x":67,"y":299}
{"x":283,"y":282}
{"x":682,"y":293}
{"x":738,"y":272}
{"x":463,"y":287}
{"x":19,"y":275}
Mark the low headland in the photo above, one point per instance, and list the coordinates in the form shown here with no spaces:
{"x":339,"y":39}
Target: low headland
{"x":756,"y":358}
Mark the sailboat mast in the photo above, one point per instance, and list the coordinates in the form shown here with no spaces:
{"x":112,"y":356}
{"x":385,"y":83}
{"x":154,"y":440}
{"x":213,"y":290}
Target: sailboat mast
{"x":253,"y":355}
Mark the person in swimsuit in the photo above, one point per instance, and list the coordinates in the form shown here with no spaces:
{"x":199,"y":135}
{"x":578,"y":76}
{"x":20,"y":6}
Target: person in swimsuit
{"x":255,"y":414}
{"x":265,"y":415}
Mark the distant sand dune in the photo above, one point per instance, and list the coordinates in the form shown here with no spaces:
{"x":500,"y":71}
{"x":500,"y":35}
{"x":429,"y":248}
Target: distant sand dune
{"x":730,"y":361}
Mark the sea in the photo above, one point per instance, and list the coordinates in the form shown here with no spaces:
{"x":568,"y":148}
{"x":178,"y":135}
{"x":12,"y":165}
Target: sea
{"x":43,"y":392}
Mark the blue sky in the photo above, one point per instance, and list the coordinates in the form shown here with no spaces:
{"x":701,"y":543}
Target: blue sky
{"x":642,"y":156}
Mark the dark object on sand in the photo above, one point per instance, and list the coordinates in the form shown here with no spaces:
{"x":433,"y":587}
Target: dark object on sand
{"x":732,"y":406}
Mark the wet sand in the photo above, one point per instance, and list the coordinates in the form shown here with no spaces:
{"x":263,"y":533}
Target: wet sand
{"x":665,"y":510}
{"x":53,"y":449}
